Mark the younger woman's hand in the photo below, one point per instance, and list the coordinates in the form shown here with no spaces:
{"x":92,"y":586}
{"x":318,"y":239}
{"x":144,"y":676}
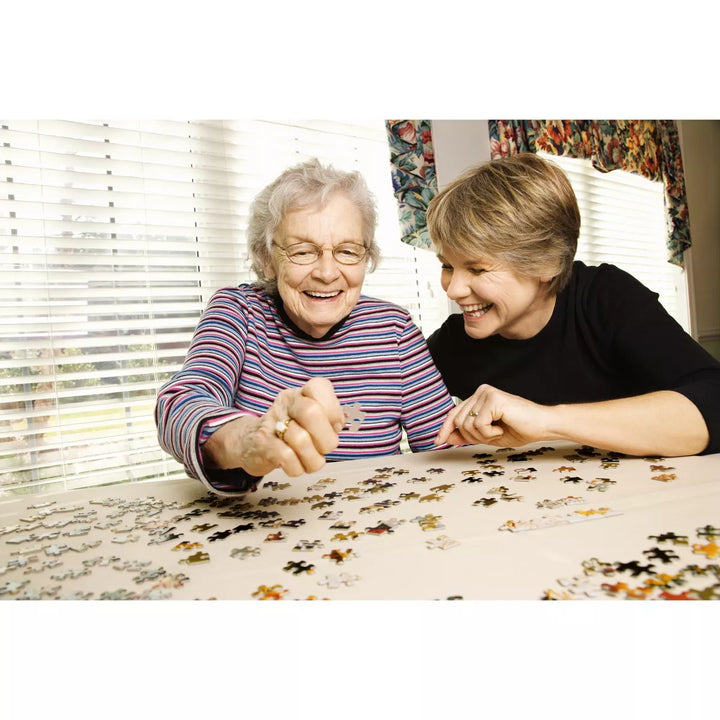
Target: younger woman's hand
{"x":494,"y":417}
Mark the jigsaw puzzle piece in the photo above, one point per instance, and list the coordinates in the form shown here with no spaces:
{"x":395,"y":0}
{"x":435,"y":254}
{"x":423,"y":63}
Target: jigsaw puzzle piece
{"x":354,"y":415}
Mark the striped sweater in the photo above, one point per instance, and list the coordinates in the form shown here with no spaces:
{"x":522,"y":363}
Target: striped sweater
{"x":245,"y":350}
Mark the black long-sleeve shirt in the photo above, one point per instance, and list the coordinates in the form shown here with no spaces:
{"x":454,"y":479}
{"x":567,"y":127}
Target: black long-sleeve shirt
{"x":608,"y":337}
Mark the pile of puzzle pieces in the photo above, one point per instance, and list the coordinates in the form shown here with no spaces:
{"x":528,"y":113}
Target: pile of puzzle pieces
{"x":672,"y":569}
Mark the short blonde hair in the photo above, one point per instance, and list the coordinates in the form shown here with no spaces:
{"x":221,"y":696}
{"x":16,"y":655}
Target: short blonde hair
{"x":520,"y":210}
{"x":305,"y":185}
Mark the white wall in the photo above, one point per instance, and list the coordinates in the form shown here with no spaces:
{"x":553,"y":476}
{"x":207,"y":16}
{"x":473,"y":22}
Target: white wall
{"x":458,"y":145}
{"x":700,"y":143}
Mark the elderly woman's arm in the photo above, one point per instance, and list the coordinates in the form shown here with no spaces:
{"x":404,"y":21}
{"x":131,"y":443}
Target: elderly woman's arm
{"x":311,"y":417}
{"x":228,"y":448}
{"x":659,"y":423}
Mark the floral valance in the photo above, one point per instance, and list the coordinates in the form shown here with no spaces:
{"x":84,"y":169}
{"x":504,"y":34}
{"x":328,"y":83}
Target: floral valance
{"x":413,"y":175}
{"x":650,"y":148}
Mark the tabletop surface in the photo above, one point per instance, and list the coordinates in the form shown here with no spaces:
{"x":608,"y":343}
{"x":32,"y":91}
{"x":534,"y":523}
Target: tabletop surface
{"x":557,"y":521}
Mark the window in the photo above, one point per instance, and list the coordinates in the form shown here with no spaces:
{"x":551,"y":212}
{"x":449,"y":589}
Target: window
{"x":623,"y":223}
{"x":113,"y":236}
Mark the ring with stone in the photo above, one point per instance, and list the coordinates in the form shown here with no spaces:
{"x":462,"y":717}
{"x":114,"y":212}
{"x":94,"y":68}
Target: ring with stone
{"x":280,"y":428}
{"x":472,"y":413}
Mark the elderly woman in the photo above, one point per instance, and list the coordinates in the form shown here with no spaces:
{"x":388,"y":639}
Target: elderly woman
{"x":272,"y":364}
{"x":548,"y":348}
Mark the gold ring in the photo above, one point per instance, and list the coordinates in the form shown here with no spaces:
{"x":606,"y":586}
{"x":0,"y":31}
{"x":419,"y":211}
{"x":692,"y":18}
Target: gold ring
{"x":280,"y":427}
{"x":472,"y":413}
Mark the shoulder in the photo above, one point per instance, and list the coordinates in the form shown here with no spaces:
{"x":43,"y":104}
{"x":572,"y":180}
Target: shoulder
{"x":245,"y":293}
{"x":370,"y":309}
{"x":609,"y":288}
{"x":242,"y":298}
{"x":609,"y":303}
{"x":376,"y":305}
{"x":240,"y":306}
{"x":452,"y":330}
{"x":605,"y":277}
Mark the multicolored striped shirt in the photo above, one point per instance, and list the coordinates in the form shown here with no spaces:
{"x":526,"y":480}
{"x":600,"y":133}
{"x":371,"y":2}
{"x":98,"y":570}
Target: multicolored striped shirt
{"x":245,"y":350}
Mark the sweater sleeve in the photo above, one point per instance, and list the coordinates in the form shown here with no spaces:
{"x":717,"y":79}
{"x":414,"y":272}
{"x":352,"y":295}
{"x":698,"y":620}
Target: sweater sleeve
{"x":198,"y":399}
{"x":426,"y":400}
{"x":654,"y":349}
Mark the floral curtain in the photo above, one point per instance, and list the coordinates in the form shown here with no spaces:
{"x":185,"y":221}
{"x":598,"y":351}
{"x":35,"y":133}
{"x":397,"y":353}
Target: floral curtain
{"x":413,"y":175}
{"x":650,"y":148}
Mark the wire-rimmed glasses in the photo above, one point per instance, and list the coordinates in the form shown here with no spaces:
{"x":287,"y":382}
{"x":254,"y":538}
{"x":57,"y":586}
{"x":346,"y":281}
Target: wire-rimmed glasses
{"x":306,"y":253}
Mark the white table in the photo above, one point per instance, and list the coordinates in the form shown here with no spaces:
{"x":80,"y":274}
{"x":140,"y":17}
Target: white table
{"x":471,"y":523}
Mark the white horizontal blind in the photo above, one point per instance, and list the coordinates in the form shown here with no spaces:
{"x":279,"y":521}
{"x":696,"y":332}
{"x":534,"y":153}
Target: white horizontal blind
{"x":623,"y":223}
{"x":113,"y":236}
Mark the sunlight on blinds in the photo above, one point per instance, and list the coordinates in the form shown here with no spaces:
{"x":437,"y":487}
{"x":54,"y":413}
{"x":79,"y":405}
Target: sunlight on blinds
{"x":623,"y":223}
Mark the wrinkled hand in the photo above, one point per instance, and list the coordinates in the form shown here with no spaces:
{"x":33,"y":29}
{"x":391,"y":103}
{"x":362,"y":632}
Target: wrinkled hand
{"x":493,"y":417}
{"x":315,"y":416}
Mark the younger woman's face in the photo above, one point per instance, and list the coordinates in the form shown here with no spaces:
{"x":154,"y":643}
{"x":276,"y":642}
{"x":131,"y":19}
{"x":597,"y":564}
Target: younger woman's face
{"x":494,"y":299}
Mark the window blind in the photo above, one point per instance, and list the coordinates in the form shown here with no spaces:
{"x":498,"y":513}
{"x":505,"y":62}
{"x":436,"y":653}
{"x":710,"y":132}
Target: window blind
{"x":623,"y":223}
{"x":113,"y":236}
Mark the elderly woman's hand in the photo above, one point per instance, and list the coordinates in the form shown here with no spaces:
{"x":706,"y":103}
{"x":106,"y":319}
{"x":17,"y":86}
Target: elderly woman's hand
{"x":295,"y":434}
{"x":494,"y":417}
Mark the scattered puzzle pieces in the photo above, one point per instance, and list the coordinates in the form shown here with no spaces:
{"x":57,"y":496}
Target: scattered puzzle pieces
{"x":298,"y":567}
{"x":709,"y":593}
{"x":665,"y":477}
{"x":441,"y":542}
{"x":275,"y":537}
{"x":339,"y":556}
{"x":345,"y":536}
{"x":710,"y":550}
{"x":270,"y":592}
{"x":665,"y":556}
{"x":485,"y":502}
{"x":654,"y":585}
{"x":547,"y":521}
{"x":635,"y":568}
{"x":335,"y":581}
{"x":445,"y":488}
{"x":474,"y":479}
{"x":384,"y":527}
{"x":431,"y":497}
{"x":600,"y":484}
{"x":220,"y":535}
{"x":39,"y":554}
{"x":560,"y":502}
{"x":244,"y":552}
{"x":203,"y":528}
{"x":307,"y":546}
{"x":429,"y":522}
{"x":671,"y":537}
{"x":685,"y":595}
{"x":708,"y":532}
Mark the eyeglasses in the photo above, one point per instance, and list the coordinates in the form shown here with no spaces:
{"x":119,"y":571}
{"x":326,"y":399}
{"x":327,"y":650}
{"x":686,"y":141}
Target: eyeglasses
{"x":306,"y":253}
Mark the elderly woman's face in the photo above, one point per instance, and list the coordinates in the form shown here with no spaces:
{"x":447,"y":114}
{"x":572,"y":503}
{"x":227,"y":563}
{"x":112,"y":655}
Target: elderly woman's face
{"x":319,"y":295}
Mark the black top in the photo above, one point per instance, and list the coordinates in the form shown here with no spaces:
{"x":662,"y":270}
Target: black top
{"x":608,"y":338}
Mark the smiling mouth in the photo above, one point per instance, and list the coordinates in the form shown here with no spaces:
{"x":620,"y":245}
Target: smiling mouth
{"x":476,"y":311}
{"x":323,"y":295}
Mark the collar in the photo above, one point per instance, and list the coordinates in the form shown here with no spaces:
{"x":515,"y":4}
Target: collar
{"x":278,"y":303}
